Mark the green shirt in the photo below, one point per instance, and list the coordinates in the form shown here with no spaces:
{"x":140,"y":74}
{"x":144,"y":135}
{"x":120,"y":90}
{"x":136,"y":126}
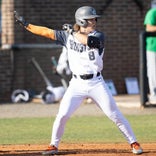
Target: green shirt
{"x":150,"y":18}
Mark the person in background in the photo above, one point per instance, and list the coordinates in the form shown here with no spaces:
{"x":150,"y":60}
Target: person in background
{"x":63,"y":65}
{"x":150,"y":26}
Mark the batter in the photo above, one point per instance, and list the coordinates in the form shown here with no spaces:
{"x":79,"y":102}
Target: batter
{"x":85,"y":55}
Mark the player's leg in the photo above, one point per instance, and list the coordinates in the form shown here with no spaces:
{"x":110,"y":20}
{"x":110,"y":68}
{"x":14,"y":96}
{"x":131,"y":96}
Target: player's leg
{"x":70,"y":102}
{"x":151,"y":72}
{"x":105,"y":101}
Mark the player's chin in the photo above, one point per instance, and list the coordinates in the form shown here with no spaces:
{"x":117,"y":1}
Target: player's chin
{"x":93,"y":27}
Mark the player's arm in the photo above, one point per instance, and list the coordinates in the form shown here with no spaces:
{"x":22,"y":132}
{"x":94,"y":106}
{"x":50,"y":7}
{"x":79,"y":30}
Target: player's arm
{"x":42,"y":31}
{"x":95,"y":40}
{"x":38,"y":30}
{"x":150,"y":28}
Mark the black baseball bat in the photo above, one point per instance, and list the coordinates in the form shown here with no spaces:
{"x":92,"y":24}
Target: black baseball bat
{"x":37,"y":66}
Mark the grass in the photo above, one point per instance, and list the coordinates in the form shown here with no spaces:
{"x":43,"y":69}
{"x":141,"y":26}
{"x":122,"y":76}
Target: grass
{"x":78,"y":129}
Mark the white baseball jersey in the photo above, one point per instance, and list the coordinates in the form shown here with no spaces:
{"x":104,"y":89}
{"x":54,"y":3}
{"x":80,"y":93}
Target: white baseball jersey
{"x":82,"y":59}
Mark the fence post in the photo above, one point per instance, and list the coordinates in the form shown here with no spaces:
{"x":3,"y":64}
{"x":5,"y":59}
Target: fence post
{"x":143,"y":69}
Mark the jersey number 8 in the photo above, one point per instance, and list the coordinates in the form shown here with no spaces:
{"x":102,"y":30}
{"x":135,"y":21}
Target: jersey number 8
{"x":91,"y":55}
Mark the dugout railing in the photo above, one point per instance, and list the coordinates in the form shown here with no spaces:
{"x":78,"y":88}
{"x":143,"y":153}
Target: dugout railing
{"x":143,"y":67}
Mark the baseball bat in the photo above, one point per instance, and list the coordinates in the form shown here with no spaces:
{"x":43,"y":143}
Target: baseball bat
{"x":37,"y":66}
{"x":63,"y":81}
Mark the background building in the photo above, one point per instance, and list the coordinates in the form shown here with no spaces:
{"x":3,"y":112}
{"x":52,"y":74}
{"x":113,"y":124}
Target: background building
{"x":121,"y":21}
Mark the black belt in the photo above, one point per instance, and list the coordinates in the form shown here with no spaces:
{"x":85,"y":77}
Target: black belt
{"x":87,"y":76}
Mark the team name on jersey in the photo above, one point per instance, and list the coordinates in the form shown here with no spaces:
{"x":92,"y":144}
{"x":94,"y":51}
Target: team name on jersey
{"x":77,"y":46}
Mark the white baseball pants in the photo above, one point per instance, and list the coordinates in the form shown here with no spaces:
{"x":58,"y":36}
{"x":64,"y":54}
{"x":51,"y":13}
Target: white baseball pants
{"x":77,"y":91}
{"x":151,"y":72}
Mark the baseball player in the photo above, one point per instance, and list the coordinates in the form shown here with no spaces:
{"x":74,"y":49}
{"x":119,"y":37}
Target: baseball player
{"x":85,"y":55}
{"x":61,"y":68}
{"x":63,"y":65}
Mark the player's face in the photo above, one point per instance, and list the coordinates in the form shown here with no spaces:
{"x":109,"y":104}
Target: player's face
{"x":91,"y":26}
{"x":92,"y":23}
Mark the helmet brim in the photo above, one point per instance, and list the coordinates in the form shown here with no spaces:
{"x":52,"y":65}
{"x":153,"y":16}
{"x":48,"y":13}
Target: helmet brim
{"x":91,"y":17}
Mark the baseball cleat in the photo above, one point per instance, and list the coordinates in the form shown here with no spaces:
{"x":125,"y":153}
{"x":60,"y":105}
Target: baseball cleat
{"x":136,"y":148}
{"x":51,"y":150}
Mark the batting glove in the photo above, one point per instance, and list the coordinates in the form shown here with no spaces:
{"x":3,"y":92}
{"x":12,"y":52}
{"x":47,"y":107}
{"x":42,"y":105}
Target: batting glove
{"x":20,"y":19}
{"x":67,"y":28}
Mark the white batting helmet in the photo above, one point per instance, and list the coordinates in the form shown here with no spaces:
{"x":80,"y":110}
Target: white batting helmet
{"x":84,"y":13}
{"x":48,"y":97}
{"x":20,"y":95}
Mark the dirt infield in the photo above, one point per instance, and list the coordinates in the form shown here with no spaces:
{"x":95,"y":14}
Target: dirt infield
{"x":118,"y":149}
{"x":104,"y":149}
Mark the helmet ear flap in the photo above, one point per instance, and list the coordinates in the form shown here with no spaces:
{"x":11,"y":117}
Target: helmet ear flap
{"x":81,"y":22}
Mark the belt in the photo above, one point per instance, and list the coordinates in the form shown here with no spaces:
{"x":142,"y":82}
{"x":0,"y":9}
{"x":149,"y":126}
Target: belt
{"x":86,"y":76}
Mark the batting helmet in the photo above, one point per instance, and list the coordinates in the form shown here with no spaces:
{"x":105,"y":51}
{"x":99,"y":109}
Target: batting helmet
{"x":20,"y":95}
{"x":84,"y":13}
{"x":48,"y":97}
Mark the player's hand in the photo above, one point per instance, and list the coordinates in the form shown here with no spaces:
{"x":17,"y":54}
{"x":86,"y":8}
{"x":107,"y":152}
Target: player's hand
{"x":54,"y":70}
{"x":20,"y":19}
{"x":68,"y":28}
